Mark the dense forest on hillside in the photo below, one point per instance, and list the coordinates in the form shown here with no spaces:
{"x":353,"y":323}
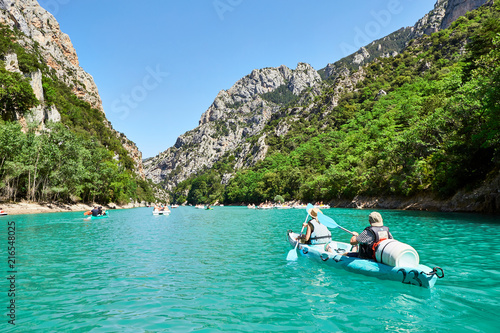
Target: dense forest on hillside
{"x":78,"y":159}
{"x":424,"y":121}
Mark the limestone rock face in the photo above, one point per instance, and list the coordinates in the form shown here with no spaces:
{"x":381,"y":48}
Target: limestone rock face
{"x":303,"y":77}
{"x":235,"y":115}
{"x":42,"y":32}
{"x":361,"y":55}
{"x":40,"y":26}
{"x":457,"y":8}
{"x":431,"y":22}
{"x":440,"y":17}
{"x":242,"y":111}
{"x":11,"y":63}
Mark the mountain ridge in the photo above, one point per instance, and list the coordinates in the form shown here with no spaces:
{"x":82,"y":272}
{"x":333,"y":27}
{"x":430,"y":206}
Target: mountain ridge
{"x":238,"y":114}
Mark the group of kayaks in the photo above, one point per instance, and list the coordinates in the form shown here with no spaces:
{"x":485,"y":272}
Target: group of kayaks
{"x":393,"y":261}
{"x":405,"y":269}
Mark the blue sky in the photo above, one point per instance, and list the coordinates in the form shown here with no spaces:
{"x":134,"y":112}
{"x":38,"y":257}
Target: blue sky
{"x":159,"y":65}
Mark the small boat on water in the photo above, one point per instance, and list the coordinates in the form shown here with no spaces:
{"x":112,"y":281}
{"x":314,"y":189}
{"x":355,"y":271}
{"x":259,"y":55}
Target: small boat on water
{"x":2,"y":213}
{"x":419,"y":275}
{"x":90,"y":217}
{"x":161,"y":212}
{"x":393,"y":260}
{"x":175,"y":206}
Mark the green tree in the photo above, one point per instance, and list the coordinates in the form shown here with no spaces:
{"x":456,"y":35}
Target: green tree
{"x":16,"y":95}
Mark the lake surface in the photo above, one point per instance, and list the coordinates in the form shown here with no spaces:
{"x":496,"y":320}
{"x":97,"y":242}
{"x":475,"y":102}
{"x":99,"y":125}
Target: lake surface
{"x":225,"y":270}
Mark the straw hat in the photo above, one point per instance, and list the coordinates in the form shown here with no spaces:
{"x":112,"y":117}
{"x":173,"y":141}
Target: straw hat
{"x":375,"y":219}
{"x":314,"y":212}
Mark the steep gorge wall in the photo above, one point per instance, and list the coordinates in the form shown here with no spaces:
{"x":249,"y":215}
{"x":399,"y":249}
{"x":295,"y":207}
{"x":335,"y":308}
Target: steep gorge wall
{"x":41,"y":27}
{"x":240,"y":112}
{"x":42,"y":31}
{"x":235,"y":115}
{"x":457,"y":8}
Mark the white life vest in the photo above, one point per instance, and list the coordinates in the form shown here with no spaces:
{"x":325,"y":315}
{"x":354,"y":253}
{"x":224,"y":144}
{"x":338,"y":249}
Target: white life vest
{"x":321,"y":234}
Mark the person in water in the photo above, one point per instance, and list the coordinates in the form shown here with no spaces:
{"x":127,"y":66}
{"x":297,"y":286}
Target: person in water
{"x":370,"y":238}
{"x":316,"y":233}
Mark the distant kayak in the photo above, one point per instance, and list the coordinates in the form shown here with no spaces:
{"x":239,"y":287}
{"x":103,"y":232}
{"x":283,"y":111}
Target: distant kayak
{"x":3,"y":214}
{"x":161,"y":212}
{"x":98,"y":217}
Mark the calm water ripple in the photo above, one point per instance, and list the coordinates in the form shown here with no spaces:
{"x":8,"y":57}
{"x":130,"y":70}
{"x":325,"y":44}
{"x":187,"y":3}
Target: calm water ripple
{"x":225,"y":270}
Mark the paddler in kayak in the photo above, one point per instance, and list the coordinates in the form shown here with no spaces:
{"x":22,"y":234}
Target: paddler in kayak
{"x":369,"y":239}
{"x":102,"y":211}
{"x":95,"y":211}
{"x":316,"y":232}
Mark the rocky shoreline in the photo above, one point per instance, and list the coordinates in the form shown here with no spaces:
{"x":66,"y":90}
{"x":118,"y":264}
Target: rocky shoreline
{"x":484,"y":200}
{"x":25,"y":207}
{"x":484,"y":204}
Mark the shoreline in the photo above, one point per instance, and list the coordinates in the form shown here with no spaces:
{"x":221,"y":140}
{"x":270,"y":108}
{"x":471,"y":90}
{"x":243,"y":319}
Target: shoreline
{"x":481,"y":202}
{"x":25,"y":207}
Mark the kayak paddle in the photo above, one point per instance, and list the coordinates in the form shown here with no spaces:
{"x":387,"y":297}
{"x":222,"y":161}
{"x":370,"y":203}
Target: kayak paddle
{"x":292,"y":254}
{"x":330,"y":223}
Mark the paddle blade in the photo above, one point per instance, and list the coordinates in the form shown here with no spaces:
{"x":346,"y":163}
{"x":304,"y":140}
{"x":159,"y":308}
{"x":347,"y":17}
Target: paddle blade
{"x":328,"y":221}
{"x":292,"y":255}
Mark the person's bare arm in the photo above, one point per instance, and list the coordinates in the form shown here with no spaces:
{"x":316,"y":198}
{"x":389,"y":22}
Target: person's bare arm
{"x":354,"y":240}
{"x":307,"y":235}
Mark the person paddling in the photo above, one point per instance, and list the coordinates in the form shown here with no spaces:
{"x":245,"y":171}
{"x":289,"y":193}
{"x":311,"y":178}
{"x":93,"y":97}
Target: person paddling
{"x":369,"y":239}
{"x":95,"y":211}
{"x":316,"y":232}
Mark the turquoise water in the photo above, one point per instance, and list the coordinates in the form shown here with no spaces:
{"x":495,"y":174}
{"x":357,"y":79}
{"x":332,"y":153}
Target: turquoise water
{"x":225,"y":270}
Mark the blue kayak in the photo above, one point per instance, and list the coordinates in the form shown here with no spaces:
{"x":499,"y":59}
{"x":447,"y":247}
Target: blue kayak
{"x":419,"y":275}
{"x":97,"y":217}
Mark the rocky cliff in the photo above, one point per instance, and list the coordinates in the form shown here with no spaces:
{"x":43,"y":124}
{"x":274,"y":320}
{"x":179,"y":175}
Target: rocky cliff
{"x":440,"y":17}
{"x":233,"y":123}
{"x":41,"y":32}
{"x":41,"y":27}
{"x":457,"y":8}
{"x":235,"y":115}
{"x":390,"y":45}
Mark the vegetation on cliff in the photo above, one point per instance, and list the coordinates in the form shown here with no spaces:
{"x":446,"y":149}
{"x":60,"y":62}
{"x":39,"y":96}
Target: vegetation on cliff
{"x":424,"y":121}
{"x":80,"y":158}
